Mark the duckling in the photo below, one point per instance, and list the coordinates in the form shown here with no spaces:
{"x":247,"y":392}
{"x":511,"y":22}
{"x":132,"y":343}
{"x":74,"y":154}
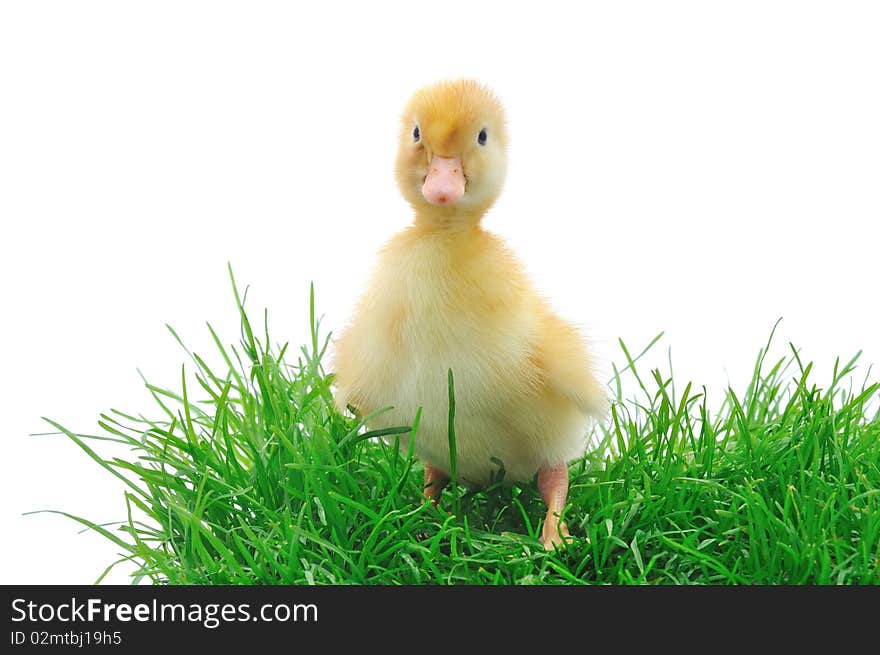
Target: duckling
{"x":447,"y":294}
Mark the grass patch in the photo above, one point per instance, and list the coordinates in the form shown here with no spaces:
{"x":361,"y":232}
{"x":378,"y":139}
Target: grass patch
{"x":254,"y":477}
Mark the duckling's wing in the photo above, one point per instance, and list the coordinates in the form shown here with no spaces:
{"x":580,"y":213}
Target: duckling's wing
{"x":566,"y":366}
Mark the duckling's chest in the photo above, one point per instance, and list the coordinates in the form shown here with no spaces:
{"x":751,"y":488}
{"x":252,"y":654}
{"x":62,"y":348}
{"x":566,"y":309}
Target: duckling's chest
{"x":437,"y":308}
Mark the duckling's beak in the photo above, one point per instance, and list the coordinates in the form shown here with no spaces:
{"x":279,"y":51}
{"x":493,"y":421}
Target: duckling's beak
{"x":444,"y":184}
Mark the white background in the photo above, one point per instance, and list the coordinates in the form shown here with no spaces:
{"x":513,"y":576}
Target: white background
{"x":694,"y":167}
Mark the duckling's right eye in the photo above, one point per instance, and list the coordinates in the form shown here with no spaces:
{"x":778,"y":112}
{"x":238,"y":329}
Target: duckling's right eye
{"x":416,"y":133}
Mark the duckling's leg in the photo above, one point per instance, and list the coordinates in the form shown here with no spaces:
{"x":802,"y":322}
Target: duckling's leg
{"x":435,"y":480}
{"x":553,"y":485}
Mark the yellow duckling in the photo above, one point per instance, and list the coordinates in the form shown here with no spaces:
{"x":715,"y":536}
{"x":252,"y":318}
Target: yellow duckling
{"x":447,"y":294}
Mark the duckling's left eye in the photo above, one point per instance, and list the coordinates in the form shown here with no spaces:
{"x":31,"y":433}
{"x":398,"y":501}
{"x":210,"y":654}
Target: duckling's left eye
{"x":481,"y":137}
{"x":416,"y":134}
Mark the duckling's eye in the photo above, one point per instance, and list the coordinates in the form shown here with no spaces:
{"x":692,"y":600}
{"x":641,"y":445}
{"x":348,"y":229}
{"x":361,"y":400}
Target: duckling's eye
{"x":416,"y":134}
{"x":481,"y":137}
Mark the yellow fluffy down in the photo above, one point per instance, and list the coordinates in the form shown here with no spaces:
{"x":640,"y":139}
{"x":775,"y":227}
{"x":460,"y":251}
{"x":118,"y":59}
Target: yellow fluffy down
{"x":447,"y":294}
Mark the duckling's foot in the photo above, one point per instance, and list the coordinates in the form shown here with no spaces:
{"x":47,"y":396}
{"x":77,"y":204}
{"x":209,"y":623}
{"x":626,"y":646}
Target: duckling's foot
{"x":553,"y":485}
{"x":435,"y":481}
{"x":555,"y":533}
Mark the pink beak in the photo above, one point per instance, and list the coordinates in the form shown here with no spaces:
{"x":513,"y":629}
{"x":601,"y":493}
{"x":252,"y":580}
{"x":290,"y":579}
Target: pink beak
{"x":444,"y":184}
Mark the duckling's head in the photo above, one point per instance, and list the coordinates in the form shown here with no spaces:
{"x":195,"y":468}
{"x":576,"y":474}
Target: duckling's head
{"x":452,"y":157}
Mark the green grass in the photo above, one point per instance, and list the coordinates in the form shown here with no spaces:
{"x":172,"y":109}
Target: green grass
{"x":253,"y":476}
